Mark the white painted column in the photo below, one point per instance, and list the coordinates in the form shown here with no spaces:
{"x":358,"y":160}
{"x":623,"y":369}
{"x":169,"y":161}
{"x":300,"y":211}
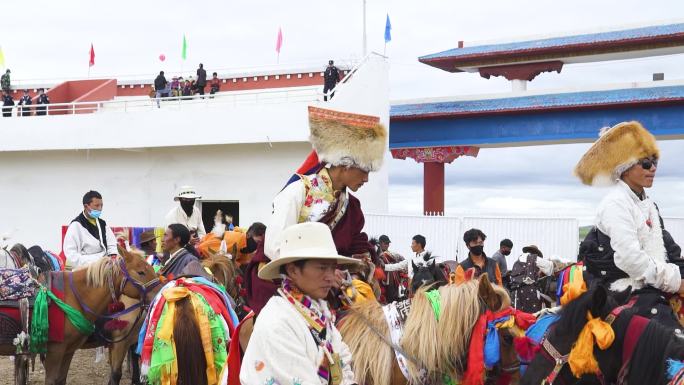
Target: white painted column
{"x":518,"y":85}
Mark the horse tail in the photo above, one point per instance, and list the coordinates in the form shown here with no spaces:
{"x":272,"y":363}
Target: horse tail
{"x":420,"y":336}
{"x":373,"y":357}
{"x":192,"y":363}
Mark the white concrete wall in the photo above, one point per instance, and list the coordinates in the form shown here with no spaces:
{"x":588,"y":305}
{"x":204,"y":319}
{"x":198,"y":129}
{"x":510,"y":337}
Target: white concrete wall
{"x":137,"y":159}
{"x":42,"y":190}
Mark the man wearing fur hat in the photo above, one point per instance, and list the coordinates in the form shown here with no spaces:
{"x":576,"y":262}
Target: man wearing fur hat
{"x":347,"y":147}
{"x":626,"y":156}
{"x":296,"y":341}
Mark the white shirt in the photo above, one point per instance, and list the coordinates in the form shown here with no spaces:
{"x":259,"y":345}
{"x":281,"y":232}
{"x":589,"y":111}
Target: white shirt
{"x":81,"y":247}
{"x":407,"y":264}
{"x":634,"y":229}
{"x":194,"y":222}
{"x":281,"y":349}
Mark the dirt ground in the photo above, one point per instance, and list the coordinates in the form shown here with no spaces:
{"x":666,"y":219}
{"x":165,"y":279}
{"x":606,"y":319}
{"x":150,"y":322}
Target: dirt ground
{"x":83,"y":371}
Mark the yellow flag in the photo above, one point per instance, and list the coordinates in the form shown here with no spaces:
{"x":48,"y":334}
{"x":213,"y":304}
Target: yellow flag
{"x":2,"y":58}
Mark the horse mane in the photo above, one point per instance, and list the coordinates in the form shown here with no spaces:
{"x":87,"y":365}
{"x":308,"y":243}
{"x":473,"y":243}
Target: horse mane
{"x":223,"y":265}
{"x":21,"y":251}
{"x":460,"y":311}
{"x":373,"y":357}
{"x":648,"y":364}
{"x":421,"y":332}
{"x":100,"y":271}
{"x":190,"y":356}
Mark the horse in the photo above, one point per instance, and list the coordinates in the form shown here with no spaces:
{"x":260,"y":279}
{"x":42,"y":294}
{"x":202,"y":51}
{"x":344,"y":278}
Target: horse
{"x":435,"y":347}
{"x":224,"y":272}
{"x":651,"y":344}
{"x":427,"y":274}
{"x":90,"y":291}
{"x":190,"y":324}
{"x":123,"y":339}
{"x":393,"y":284}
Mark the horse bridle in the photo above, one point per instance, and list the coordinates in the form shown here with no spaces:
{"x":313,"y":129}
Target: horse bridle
{"x":143,"y":290}
{"x":552,"y":354}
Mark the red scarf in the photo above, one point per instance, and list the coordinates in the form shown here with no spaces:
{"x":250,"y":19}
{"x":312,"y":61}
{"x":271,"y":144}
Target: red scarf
{"x":475,"y":370}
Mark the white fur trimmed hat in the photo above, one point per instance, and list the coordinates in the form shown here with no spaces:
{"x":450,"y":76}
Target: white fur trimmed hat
{"x":346,"y":139}
{"x":618,"y":148}
{"x":308,"y":240}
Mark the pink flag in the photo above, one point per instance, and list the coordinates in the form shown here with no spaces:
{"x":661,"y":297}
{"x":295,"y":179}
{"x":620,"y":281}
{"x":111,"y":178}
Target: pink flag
{"x":92,"y":56}
{"x":279,"y":41}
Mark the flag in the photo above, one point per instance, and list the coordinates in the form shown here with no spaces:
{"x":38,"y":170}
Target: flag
{"x":184,"y":51}
{"x":92,"y":56}
{"x":279,"y":41}
{"x":388,"y":30}
{"x":2,"y":58}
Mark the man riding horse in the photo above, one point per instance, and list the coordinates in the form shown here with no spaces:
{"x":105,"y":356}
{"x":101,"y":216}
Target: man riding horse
{"x":635,"y":255}
{"x":346,"y":148}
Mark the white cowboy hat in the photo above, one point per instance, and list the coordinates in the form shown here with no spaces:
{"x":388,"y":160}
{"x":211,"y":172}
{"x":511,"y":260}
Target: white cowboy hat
{"x":186,"y":192}
{"x":309,"y":240}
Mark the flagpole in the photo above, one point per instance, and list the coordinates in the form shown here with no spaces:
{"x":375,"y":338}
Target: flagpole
{"x":364,"y":29}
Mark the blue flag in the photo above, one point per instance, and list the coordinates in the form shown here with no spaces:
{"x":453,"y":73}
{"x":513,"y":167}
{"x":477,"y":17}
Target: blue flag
{"x":388,"y":30}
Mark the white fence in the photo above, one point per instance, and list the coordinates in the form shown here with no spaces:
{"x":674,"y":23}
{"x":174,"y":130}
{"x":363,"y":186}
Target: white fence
{"x":557,"y":237}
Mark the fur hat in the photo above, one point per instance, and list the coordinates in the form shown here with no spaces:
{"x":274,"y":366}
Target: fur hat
{"x":346,"y":139}
{"x":618,"y":148}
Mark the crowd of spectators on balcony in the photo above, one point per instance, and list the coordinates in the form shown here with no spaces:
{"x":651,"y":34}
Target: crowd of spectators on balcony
{"x":179,"y":87}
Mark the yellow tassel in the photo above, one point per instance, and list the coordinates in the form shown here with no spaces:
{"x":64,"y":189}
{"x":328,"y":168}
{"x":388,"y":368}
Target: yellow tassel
{"x":581,"y":359}
{"x":573,"y":289}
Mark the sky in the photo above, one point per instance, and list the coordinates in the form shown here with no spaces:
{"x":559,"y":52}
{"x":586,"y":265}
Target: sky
{"x":129,"y":36}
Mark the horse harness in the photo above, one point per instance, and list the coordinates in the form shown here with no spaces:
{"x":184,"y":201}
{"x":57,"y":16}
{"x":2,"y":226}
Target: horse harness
{"x":560,"y":360}
{"x":143,"y":289}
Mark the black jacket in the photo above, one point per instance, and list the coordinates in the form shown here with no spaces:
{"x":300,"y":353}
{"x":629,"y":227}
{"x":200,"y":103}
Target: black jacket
{"x":160,"y":83}
{"x":201,"y":77}
{"x":331,"y":75}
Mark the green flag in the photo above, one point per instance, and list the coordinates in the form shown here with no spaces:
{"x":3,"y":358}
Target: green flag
{"x":184,"y":53}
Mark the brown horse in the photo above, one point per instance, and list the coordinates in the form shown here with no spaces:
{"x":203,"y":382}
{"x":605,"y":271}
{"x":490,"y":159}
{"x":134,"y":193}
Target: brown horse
{"x":436,"y":346}
{"x":88,"y":290}
{"x":127,"y":337}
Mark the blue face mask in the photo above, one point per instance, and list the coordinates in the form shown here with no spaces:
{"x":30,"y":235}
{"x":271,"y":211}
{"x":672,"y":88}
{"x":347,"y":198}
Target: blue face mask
{"x":95,"y":213}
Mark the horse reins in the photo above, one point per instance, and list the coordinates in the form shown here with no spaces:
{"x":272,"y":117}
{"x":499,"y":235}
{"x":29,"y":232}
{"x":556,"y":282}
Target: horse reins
{"x":560,"y":360}
{"x":143,"y":290}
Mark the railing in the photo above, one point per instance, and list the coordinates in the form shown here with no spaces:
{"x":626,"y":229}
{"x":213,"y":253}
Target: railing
{"x":220,"y":99}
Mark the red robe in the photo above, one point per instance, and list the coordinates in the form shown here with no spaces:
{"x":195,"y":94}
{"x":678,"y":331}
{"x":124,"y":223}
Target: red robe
{"x":349,"y":240}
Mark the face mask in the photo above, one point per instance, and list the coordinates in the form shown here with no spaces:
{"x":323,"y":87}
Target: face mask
{"x":187,"y":206}
{"x":95,"y":213}
{"x":477,"y":250}
{"x":506,"y":252}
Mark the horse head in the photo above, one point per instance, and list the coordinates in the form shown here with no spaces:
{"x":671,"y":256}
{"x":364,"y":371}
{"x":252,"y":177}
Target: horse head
{"x":427,"y":273}
{"x":224,"y":272}
{"x":562,"y":335}
{"x":136,"y":278}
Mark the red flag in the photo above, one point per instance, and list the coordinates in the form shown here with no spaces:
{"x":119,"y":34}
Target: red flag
{"x":92,"y":56}
{"x":279,"y":41}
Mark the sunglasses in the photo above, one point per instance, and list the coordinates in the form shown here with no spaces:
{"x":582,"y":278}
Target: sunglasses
{"x":647,"y":163}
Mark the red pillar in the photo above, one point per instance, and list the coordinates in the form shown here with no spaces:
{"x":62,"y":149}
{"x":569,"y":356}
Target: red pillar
{"x":433,"y":187}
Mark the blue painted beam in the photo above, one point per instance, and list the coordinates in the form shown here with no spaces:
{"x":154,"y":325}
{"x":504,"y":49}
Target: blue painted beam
{"x":523,"y":128}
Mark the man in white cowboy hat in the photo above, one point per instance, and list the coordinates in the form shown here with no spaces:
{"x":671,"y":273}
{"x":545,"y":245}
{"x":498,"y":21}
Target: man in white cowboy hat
{"x":626,"y":156}
{"x":346,"y":148}
{"x":186,"y":213}
{"x":295,"y":340}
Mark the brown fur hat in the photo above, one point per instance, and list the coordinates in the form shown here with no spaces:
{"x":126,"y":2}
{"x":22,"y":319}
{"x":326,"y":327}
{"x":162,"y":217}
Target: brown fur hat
{"x":618,"y":148}
{"x":346,"y":139}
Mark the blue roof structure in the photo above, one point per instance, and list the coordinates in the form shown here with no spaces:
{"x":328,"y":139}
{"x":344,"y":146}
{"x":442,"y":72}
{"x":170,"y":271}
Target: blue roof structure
{"x":538,"y":102}
{"x":555,"y":118}
{"x":585,"y":39}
